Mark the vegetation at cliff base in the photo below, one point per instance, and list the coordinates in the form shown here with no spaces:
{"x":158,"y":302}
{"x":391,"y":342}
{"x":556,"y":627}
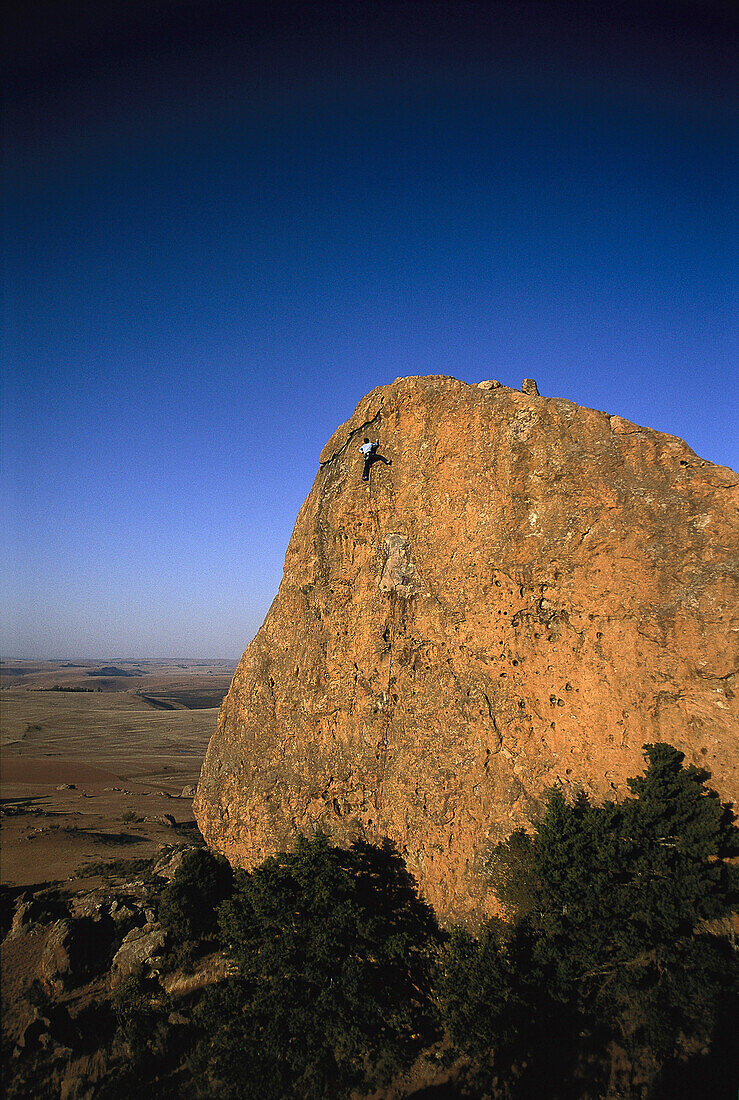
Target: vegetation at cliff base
{"x":332,"y":992}
{"x":612,"y":967}
{"x":614,"y":975}
{"x":189,"y":902}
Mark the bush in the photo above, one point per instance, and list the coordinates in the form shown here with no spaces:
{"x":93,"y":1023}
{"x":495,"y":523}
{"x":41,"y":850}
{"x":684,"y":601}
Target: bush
{"x":135,"y":1016}
{"x":511,"y":873}
{"x":610,"y":945}
{"x":334,"y":954}
{"x":141,"y":1054}
{"x":188,"y":904}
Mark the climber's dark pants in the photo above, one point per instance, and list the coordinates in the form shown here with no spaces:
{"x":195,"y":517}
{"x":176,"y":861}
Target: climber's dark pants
{"x":369,"y":459}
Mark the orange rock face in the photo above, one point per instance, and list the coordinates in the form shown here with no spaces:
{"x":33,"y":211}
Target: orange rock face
{"x":525,"y":596}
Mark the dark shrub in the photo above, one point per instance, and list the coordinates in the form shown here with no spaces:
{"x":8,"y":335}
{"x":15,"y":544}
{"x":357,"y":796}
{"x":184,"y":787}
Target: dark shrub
{"x":610,"y":950}
{"x":187,"y":907}
{"x":334,"y":952}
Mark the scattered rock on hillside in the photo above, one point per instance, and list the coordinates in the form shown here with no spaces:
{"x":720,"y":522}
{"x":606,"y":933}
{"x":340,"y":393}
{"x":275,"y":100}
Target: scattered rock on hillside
{"x":90,"y":906}
{"x":22,"y":920}
{"x":160,"y":819}
{"x":35,"y":1034}
{"x":32,"y":910}
{"x":137,"y":951}
{"x":124,"y":917}
{"x":74,"y":950}
{"x":56,"y":964}
{"x":170,"y":862}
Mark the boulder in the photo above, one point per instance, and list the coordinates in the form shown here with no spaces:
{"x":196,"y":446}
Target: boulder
{"x":22,"y":919}
{"x":170,"y":862}
{"x":74,"y":950}
{"x":137,"y":951}
{"x":92,"y":906}
{"x":124,"y":917}
{"x":530,"y":593}
{"x":35,"y":1034}
{"x":56,"y":959}
{"x":34,"y":910}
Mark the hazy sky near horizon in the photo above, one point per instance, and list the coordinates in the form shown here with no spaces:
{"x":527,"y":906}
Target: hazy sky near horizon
{"x":227,"y":222}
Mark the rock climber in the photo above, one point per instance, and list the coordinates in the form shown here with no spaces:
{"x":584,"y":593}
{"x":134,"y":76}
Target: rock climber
{"x":369,"y":450}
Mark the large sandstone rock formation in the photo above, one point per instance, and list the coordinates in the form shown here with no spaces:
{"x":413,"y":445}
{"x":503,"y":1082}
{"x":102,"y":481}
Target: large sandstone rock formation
{"x":528,"y":594}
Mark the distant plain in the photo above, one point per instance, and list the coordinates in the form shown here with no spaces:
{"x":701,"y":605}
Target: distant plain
{"x":95,"y":757}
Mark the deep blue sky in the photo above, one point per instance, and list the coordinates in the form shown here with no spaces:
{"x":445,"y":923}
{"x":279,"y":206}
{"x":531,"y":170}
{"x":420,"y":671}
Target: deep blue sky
{"x":225,"y":223}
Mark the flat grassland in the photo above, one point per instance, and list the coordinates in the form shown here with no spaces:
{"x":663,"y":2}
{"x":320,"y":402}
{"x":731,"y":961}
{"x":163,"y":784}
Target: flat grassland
{"x":94,"y":760}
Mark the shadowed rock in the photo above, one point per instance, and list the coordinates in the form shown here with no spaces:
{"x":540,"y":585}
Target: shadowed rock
{"x":138,"y":950}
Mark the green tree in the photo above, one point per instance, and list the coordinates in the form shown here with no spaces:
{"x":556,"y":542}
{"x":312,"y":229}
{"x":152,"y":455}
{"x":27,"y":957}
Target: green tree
{"x":579,"y":870}
{"x":486,"y":989}
{"x":610,"y":905}
{"x":477,"y":983}
{"x":616,"y":882}
{"x":668,"y":980}
{"x":499,"y":1010}
{"x":188,"y":904}
{"x":334,"y":953}
{"x":679,"y":836}
{"x":510,"y":870}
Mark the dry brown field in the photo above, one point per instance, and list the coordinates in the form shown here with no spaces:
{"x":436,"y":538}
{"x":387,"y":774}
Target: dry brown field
{"x":93,"y":756}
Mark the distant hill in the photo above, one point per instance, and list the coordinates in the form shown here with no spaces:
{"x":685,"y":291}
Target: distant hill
{"x":113,"y":670}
